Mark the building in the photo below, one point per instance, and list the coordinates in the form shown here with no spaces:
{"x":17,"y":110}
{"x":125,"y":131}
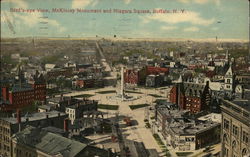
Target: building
{"x":191,"y":96}
{"x":150,"y":70}
{"x":11,"y":125}
{"x":131,"y":76}
{"x":76,"y":111}
{"x":154,"y":80}
{"x":182,"y":132}
{"x":22,"y":94}
{"x":229,"y":81}
{"x":235,"y":134}
{"x":35,"y":142}
{"x":88,"y":83}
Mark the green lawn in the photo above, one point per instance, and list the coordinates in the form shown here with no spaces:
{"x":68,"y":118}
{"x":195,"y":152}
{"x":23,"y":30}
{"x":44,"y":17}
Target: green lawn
{"x":155,"y":95}
{"x":83,"y":95}
{"x":106,"y":92}
{"x":133,"y":107}
{"x":183,"y":153}
{"x":129,"y":91}
{"x":108,"y":107}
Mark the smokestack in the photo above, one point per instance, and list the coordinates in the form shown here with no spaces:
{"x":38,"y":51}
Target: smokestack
{"x":66,"y":125}
{"x":5,"y":91}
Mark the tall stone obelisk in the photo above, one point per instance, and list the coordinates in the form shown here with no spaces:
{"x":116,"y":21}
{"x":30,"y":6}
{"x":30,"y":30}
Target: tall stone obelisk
{"x":122,"y":83}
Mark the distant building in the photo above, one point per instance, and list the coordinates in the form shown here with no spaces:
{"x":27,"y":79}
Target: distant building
{"x":87,"y":83}
{"x":235,"y":135}
{"x":24,"y":94}
{"x":131,"y":76}
{"x":150,"y":70}
{"x":229,"y":81}
{"x":154,"y":80}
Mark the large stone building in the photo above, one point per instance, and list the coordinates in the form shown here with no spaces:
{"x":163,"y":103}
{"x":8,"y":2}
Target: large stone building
{"x":182,"y":132}
{"x":35,"y":142}
{"x":235,"y":134}
{"x":11,"y":125}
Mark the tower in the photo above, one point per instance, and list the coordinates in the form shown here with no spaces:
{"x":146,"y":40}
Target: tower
{"x":122,"y":83}
{"x":229,"y":79}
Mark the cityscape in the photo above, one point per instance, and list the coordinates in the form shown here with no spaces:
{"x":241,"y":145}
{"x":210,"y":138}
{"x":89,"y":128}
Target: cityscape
{"x":119,"y":95}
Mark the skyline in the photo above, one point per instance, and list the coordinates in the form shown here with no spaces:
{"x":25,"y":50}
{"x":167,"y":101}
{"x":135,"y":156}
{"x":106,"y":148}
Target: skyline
{"x":195,"y":19}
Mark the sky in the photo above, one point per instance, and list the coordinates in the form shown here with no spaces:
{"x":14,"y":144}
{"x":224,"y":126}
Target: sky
{"x":226,"y":19}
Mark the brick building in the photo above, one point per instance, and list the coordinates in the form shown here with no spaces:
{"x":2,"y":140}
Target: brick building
{"x":150,"y":70}
{"x":194,"y":97}
{"x":88,"y":83}
{"x":24,"y":94}
{"x":131,"y":76}
{"x":54,"y":73}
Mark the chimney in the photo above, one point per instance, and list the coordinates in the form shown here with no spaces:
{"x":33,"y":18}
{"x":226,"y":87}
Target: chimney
{"x":66,"y":125}
{"x":5,"y":93}
{"x":18,"y":116}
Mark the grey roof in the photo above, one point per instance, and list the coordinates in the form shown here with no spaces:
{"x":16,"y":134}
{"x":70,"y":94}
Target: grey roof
{"x":34,"y":116}
{"x":23,"y":87}
{"x":48,"y":143}
{"x":193,"y":89}
{"x":243,"y":103}
{"x":46,"y":107}
{"x":192,"y":128}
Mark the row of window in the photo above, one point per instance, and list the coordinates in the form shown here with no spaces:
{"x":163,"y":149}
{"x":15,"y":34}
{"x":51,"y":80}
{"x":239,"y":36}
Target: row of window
{"x":5,"y":147}
{"x":4,"y":130}
{"x":235,"y":131}
{"x":226,"y":152}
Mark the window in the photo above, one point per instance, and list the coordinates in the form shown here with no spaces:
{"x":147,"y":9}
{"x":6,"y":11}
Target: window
{"x":244,"y":152}
{"x":234,"y":144}
{"x":235,"y":130}
{"x":226,"y":124}
{"x":245,"y":137}
{"x":225,"y":138}
{"x":228,"y":80}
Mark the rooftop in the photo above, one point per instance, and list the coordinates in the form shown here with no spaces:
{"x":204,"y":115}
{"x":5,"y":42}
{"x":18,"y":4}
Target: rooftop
{"x":243,"y":103}
{"x":192,"y":128}
{"x":21,"y":88}
{"x":48,"y":143}
{"x":34,"y":116}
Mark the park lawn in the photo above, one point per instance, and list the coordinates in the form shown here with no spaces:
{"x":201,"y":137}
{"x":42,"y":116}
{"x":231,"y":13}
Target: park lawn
{"x":133,"y":107}
{"x":108,"y":107}
{"x":106,"y":92}
{"x":155,"y":95}
{"x":129,"y":91}
{"x":83,"y":95}
{"x":183,"y":153}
